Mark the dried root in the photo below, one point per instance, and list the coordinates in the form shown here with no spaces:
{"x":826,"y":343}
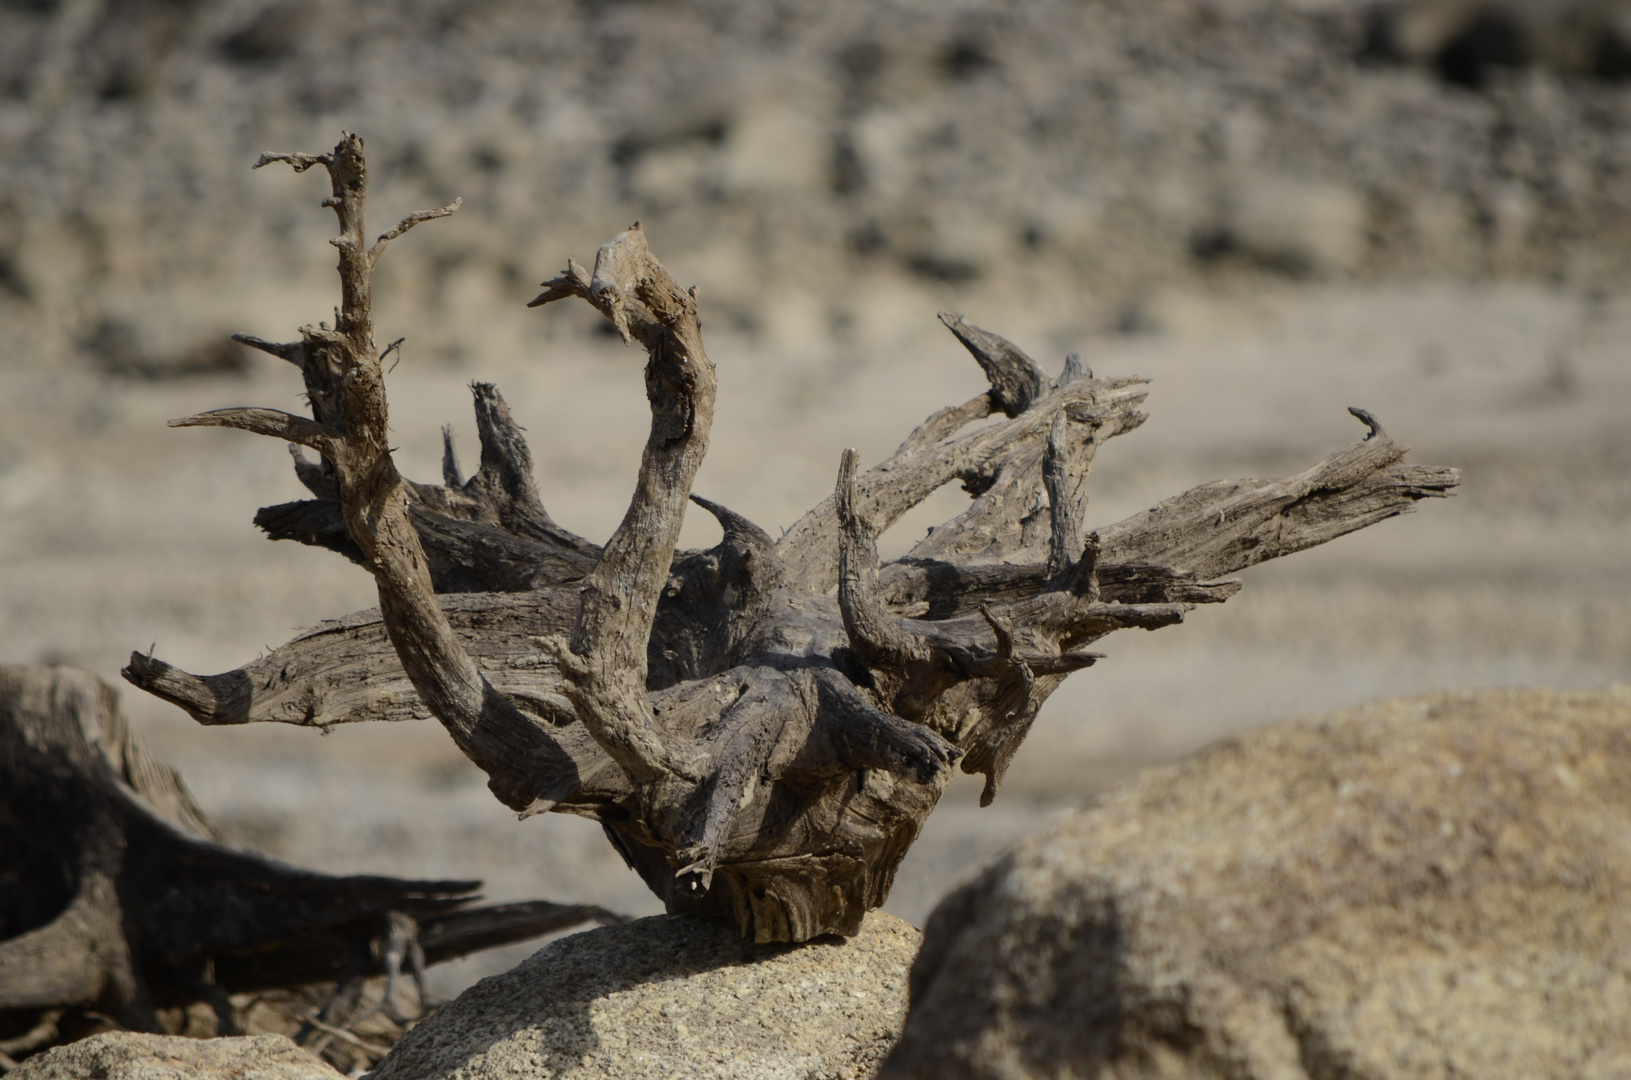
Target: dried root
{"x":762,"y":727}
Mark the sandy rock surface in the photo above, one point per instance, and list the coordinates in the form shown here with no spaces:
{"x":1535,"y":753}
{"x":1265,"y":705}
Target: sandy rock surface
{"x":128,"y":1056}
{"x":674,"y":996}
{"x":1428,"y":887}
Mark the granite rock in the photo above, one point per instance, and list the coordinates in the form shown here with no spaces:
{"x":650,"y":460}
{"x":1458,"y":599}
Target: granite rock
{"x":1427,"y":887}
{"x":674,"y":996}
{"x":126,"y":1055}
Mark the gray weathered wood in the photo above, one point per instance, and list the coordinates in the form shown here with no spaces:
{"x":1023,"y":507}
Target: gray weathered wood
{"x":762,"y":727}
{"x":118,"y":896}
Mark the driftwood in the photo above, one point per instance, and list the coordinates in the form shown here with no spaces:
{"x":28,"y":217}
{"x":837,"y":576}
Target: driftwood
{"x":762,"y":727}
{"x":116,"y":894}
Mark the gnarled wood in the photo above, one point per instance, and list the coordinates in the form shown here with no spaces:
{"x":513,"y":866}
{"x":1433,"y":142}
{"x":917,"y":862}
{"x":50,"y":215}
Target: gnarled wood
{"x":764,"y":726}
{"x":117,"y":895}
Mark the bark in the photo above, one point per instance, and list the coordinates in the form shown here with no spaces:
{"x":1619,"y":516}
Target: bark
{"x":762,"y":727}
{"x":117,"y":894}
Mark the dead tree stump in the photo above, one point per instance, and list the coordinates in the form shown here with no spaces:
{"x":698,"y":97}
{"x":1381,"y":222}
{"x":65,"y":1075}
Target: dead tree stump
{"x":761,"y":727}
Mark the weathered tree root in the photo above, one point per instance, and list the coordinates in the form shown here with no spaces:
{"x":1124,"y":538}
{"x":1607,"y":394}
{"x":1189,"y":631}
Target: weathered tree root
{"x":117,"y":895}
{"x":764,"y":726}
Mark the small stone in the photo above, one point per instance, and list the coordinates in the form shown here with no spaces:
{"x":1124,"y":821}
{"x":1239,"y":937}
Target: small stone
{"x":125,"y":1055}
{"x":639,"y":994}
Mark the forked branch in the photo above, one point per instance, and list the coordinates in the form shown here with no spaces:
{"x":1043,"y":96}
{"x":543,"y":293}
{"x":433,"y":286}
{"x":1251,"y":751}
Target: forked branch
{"x":530,"y":771}
{"x":605,"y":660}
{"x":762,"y":727}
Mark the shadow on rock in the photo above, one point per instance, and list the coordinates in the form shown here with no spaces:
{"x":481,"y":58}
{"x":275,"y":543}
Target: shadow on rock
{"x":1421,"y":887}
{"x":670,"y":996}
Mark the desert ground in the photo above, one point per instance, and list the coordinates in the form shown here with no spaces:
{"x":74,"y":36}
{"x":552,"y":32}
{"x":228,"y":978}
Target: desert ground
{"x":1487,"y":331}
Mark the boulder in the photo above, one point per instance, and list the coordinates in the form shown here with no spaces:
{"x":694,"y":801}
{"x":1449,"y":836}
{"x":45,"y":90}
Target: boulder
{"x":674,"y":996}
{"x":1428,"y":887}
{"x":125,"y":1055}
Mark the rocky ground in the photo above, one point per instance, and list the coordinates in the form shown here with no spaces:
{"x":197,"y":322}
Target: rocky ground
{"x":1223,"y":196}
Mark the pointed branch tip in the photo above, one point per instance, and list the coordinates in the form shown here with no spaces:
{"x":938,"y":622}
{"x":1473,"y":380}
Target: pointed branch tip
{"x":450,"y":460}
{"x":301,"y":162}
{"x":570,"y":282}
{"x":1016,"y":380}
{"x":729,"y":520}
{"x":1364,"y":417}
{"x":290,"y":351}
{"x":846,"y":491}
{"x":1074,"y":369}
{"x":273,"y":422}
{"x":417,"y":218}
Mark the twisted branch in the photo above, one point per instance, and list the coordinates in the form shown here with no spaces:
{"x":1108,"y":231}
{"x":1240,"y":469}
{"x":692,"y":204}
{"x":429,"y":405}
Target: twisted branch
{"x":763,"y":726}
{"x":605,"y":662}
{"x":529,"y":770}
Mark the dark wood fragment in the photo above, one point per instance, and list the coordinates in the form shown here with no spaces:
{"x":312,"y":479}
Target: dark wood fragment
{"x":117,"y":895}
{"x":1016,"y":380}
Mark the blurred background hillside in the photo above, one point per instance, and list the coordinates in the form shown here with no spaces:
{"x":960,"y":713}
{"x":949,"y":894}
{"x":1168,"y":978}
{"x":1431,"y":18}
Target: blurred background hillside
{"x":1276,"y":208}
{"x":1066,"y":156}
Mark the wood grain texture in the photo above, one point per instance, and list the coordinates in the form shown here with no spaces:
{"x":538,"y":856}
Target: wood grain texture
{"x":764,"y":726}
{"x":117,"y":894}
